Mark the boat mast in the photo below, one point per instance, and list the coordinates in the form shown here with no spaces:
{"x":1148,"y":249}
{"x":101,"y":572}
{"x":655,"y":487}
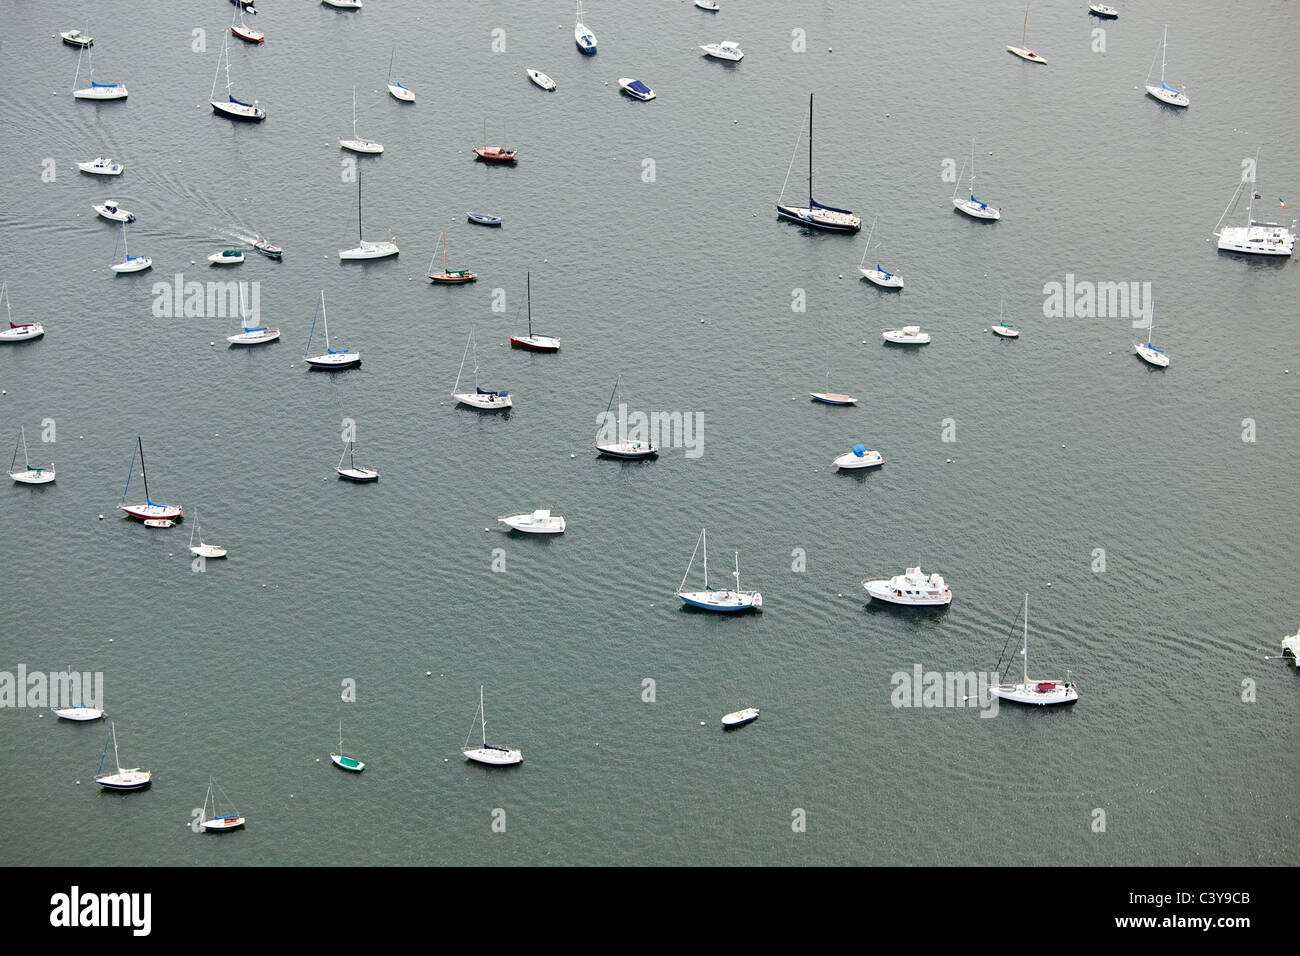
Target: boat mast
{"x":359,"y":239}
{"x":1164,"y":45}
{"x":22,"y":431}
{"x":704,"y":535}
{"x":1254,"y":181}
{"x":810,"y":166}
{"x":737,"y":570}
{"x":147,"y":500}
{"x":1025,"y":30}
{"x":482,"y":714}
{"x":116,"y":759}
{"x":1024,"y":653}
{"x":340,"y":738}
{"x":529,"y":280}
{"x":462,"y":358}
{"x":325,"y":319}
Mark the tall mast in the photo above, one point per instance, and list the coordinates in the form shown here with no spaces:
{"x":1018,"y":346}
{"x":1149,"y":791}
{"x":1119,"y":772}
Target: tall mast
{"x":22,"y":430}
{"x":737,"y":570}
{"x":482,"y":714}
{"x":147,"y":500}
{"x":1024,"y":653}
{"x":704,"y":534}
{"x":1254,"y":181}
{"x":530,"y":305}
{"x":1025,"y":30}
{"x":325,"y":319}
{"x":116,"y":759}
{"x":359,"y":239}
{"x":810,"y":189}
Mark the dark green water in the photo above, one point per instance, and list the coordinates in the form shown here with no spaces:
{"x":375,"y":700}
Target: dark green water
{"x":1066,"y":443}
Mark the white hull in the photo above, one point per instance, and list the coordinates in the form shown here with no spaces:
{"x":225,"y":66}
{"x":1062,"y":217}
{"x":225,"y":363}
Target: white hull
{"x":202,"y":550}
{"x":834,"y":398}
{"x":584,"y":38}
{"x":1025,"y":54}
{"x":491,"y":403}
{"x":1291,"y":648}
{"x":625,"y":84}
{"x":253,"y":337}
{"x":158,"y":522}
{"x":540,"y":522}
{"x":101,"y":167}
{"x":1006,"y":331}
{"x":1172,"y":97}
{"x":370,"y":250}
{"x":134,"y":264}
{"x":112,"y":211}
{"x":400,"y":92}
{"x":1258,"y":239}
{"x":221,"y":259}
{"x":628,"y":449}
{"x":911,"y":588}
{"x":740,"y":717}
{"x":115,"y":92}
{"x":909,"y":335}
{"x":708,"y":5}
{"x":821,"y":218}
{"x":33,"y":476}
{"x":343,"y":4}
{"x":79,"y":713}
{"x":723,"y":51}
{"x":1052,"y":692}
{"x":149,"y":512}
{"x":886,"y":280}
{"x":850,"y":461}
{"x":335,"y":360}
{"x":494,"y":756}
{"x":541,"y":79}
{"x":358,"y":474}
{"x":221,"y":824}
{"x":1152,"y":356}
{"x":976,"y":209}
{"x":362,"y":145}
{"x":712,"y":600}
{"x":133,"y":779}
{"x":24,"y":333}
{"x":347,"y":763}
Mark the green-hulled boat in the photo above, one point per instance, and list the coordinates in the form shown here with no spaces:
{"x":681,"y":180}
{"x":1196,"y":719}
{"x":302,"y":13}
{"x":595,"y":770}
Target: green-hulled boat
{"x":347,"y":763}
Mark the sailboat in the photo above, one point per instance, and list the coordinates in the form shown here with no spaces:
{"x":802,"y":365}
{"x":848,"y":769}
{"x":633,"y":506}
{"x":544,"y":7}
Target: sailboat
{"x":368,"y":250}
{"x":29,"y":475}
{"x":332,"y":358}
{"x":1022,"y":51}
{"x":397,"y":89}
{"x":215,"y":823}
{"x":352,"y":472}
{"x":1256,"y":238}
{"x":346,"y":762}
{"x":132,"y":779}
{"x":248,"y":335}
{"x":886,"y":280}
{"x":96,"y":91}
{"x":202,"y":550}
{"x":17,"y":331}
{"x":448,"y":276}
{"x":494,"y":154}
{"x":487,"y":754}
{"x":828,"y":397}
{"x":130,"y":263}
{"x":536,"y":343}
{"x":815,"y":214}
{"x":1034,"y":691}
{"x":356,"y":144}
{"x":631,"y":450}
{"x":242,"y":29}
{"x":149,"y":511}
{"x":78,"y":714}
{"x":584,"y":38}
{"x":487,"y":399}
{"x":1149,"y":353}
{"x":1004,"y":328}
{"x":973,"y":207}
{"x":231,"y":107}
{"x":713,"y":600}
{"x":1164,"y":92}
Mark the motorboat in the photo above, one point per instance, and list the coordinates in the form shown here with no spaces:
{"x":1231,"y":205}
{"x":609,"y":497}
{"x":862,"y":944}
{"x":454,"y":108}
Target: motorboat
{"x":538,"y":522}
{"x":907,"y":335}
{"x":541,"y":79}
{"x":635,"y":88}
{"x":726,"y":50}
{"x":227,"y":257}
{"x":109,"y":209}
{"x":102,"y":166}
{"x":913,"y":588}
{"x":858,"y":458}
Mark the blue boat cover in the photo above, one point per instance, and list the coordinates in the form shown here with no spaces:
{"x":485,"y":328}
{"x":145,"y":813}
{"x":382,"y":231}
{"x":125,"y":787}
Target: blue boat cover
{"x":242,"y":103}
{"x":859,"y":449}
{"x":1169,"y":88}
{"x":336,"y":351}
{"x":816,"y":205}
{"x":93,"y":83}
{"x":638,"y":86}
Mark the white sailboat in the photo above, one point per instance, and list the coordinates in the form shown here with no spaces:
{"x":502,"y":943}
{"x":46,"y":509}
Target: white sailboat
{"x":343,"y":761}
{"x":231,"y":107}
{"x":714,"y":600}
{"x":814,"y":214}
{"x":1149,"y":353}
{"x":584,"y":38}
{"x":973,"y":207}
{"x":491,"y":400}
{"x":368,"y":250}
{"x":96,"y":91}
{"x":17,"y":331}
{"x":353,"y":472}
{"x":149,"y":511}
{"x":488,"y":754}
{"x":248,"y":335}
{"x":886,"y":280}
{"x":331,"y":358}
{"x":397,"y":89}
{"x":132,"y":779}
{"x":130,"y":263}
{"x":78,"y":714}
{"x":219,"y":823}
{"x":1004,"y":328}
{"x":202,"y":550}
{"x":1028,"y":691}
{"x":616,"y":448}
{"x":29,"y":475}
{"x":1164,"y":92}
{"x":356,"y":144}
{"x":1022,"y":51}
{"x":1254,"y":238}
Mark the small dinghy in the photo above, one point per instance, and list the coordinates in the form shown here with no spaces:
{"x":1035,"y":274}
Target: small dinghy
{"x":343,"y":761}
{"x":29,"y":475}
{"x":109,"y":209}
{"x":740,"y":718}
{"x":158,"y":522}
{"x":539,"y":522}
{"x":202,"y":550}
{"x":227,"y":257}
{"x":859,"y":457}
{"x":102,"y":166}
{"x":488,"y":754}
{"x":712,"y":8}
{"x":726,"y":50}
{"x":913,"y":588}
{"x":541,"y":79}
{"x":907,"y":335}
{"x":353,"y":472}
{"x":635,"y":88}
{"x":483,"y":219}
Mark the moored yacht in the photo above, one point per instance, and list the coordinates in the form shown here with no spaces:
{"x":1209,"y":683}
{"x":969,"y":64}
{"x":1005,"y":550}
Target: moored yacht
{"x":913,"y":588}
{"x":907,"y":335}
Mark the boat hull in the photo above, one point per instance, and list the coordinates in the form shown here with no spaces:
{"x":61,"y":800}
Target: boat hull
{"x":33,"y":476}
{"x":484,"y":402}
{"x":1257,"y":240}
{"x":976,"y":209}
{"x":207,"y":551}
{"x":362,"y":146}
{"x":820,"y":218}
{"x":24,"y":333}
{"x":1151,"y":356}
{"x":370,"y":250}
{"x":886,"y":280}
{"x":358,"y":474}
{"x":334,"y":362}
{"x":238,"y":111}
{"x":79,"y":713}
{"x":347,"y":763}
{"x":850,"y":461}
{"x":553,"y":525}
{"x":248,"y":35}
{"x":221,"y":259}
{"x":723,"y":601}
{"x":1025,"y":54}
{"x":740,"y":718}
{"x":884,"y":590}
{"x":494,"y":756}
{"x":253,"y":338}
{"x":831,"y":398}
{"x":541,"y":79}
{"x":536,"y":343}
{"x":222,"y":824}
{"x":135,"y":779}
{"x":496,"y":154}
{"x":116,"y":92}
{"x":1059,"y":693}
{"x":630,"y":451}
{"x":147,"y":512}
{"x":400,"y":92}
{"x":1169,"y":97}
{"x":270,"y":250}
